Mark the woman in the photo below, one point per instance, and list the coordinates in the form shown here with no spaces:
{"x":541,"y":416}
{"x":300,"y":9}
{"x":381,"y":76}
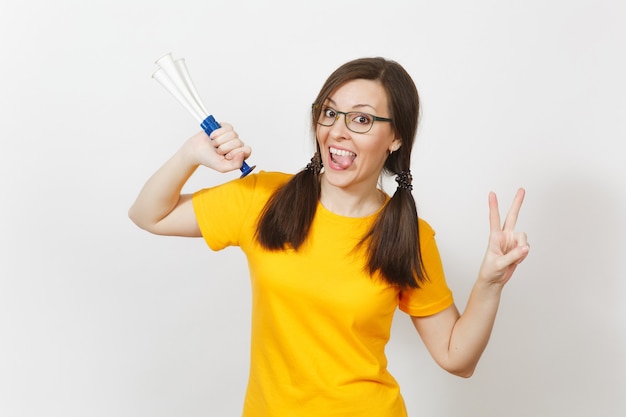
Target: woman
{"x":331,"y":256}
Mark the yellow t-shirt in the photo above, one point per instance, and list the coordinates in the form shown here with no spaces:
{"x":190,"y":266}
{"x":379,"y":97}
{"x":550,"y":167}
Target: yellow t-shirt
{"x":319,"y":322}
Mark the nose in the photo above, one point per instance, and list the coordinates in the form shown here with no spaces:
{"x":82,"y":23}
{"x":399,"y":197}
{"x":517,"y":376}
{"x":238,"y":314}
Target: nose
{"x":340,"y":129}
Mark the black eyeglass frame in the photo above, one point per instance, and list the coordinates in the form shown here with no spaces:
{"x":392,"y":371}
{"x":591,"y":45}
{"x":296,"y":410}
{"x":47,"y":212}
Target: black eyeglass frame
{"x":345,"y":117}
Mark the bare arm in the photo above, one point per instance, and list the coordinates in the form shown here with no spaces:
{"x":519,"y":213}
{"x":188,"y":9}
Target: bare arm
{"x":456,"y":341}
{"x":160,"y":208}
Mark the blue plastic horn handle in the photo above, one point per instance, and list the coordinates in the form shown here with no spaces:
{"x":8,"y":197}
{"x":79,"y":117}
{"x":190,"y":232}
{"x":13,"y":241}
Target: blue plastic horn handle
{"x":209,"y":125}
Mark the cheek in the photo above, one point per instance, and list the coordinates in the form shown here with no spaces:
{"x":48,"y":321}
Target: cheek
{"x":377,"y":148}
{"x":318,"y":139}
{"x":320,"y":134}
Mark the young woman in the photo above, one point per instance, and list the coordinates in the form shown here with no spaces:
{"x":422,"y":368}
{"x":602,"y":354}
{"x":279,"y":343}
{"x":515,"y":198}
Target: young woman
{"x":332,"y":256}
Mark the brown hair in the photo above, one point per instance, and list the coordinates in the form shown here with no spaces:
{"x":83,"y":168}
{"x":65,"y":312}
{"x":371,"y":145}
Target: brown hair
{"x":393,"y":240}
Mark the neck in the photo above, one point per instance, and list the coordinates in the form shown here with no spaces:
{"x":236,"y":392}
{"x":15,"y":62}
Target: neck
{"x":351,"y":202}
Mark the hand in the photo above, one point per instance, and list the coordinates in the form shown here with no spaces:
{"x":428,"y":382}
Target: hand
{"x":507,"y":248}
{"x":223,"y":151}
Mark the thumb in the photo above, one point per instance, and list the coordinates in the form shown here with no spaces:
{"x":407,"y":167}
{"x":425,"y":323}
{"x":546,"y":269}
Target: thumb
{"x":517,"y":255}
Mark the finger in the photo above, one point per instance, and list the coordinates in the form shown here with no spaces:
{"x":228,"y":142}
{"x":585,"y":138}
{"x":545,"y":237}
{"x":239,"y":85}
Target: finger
{"x":230,"y":146}
{"x":224,"y":128}
{"x":223,"y":137}
{"x":521,"y":239}
{"x":524,"y":251}
{"x":225,"y":140}
{"x":239,"y":154}
{"x":521,"y":253}
{"x":494,"y":213}
{"x":512,"y":215}
{"x":515,"y":256}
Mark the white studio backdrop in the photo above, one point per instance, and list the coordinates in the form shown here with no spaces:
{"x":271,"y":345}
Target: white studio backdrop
{"x":98,"y":318}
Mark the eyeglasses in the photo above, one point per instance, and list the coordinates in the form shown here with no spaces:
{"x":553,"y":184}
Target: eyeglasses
{"x":357,"y":122}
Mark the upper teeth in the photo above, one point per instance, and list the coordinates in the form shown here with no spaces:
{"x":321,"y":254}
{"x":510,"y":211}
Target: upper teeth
{"x":341,"y":152}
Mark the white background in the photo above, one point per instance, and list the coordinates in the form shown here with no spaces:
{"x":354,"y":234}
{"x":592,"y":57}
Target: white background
{"x":98,"y":318}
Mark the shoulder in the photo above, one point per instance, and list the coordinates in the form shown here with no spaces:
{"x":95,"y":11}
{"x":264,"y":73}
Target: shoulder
{"x":258,"y":182}
{"x":270,"y":178}
{"x":263,"y":183}
{"x":243,"y":191}
{"x":425,"y":229}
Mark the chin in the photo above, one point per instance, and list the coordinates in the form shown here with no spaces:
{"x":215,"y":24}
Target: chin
{"x":337,"y":178}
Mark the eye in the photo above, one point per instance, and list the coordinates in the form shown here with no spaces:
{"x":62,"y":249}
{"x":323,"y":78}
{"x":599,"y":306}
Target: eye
{"x":363,"y":119}
{"x":329,"y":112}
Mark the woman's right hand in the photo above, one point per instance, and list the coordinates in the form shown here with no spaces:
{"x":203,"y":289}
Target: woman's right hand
{"x":222,"y":151}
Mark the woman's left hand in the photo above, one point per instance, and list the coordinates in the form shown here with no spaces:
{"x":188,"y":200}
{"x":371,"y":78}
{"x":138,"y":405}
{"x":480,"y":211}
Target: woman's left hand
{"x":507,"y":248}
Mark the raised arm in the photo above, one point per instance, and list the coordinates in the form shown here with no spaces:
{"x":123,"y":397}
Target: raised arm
{"x":457,"y":341}
{"x":160,"y":208}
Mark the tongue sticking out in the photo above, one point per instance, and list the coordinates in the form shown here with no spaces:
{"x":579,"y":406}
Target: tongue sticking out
{"x":342,"y":158}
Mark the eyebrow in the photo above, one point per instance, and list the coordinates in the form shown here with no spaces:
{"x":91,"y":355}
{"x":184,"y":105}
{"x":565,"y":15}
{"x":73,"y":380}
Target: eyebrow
{"x":357,"y":106}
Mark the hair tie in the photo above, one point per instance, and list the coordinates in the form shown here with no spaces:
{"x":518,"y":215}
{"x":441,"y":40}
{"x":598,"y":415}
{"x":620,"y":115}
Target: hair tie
{"x":316,"y":164}
{"x":404,"y":180}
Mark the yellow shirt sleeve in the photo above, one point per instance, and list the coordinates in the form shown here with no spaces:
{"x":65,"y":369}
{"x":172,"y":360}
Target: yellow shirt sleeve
{"x":226,"y":213}
{"x":434,"y":295}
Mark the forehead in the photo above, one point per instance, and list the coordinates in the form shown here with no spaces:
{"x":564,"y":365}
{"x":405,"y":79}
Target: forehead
{"x":356,"y":94}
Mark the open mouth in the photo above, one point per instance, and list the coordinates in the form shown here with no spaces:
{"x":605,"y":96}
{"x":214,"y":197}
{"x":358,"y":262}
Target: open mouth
{"x":341,"y":158}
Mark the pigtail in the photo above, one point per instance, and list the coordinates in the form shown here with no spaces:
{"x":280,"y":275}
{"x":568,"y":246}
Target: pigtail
{"x":393,"y":240}
{"x":301,"y":194}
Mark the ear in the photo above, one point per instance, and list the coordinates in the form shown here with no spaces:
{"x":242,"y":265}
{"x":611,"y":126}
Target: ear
{"x":395,"y":145}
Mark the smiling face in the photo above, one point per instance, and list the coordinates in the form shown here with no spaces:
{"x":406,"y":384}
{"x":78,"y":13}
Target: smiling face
{"x":354,"y":161}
